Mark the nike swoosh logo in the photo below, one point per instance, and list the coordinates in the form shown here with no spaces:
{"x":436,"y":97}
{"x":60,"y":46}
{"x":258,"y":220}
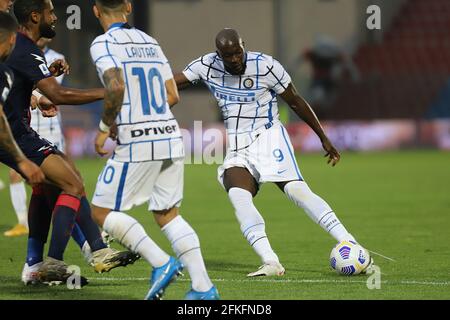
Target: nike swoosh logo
{"x":44,"y":148}
{"x":280,"y":172}
{"x":99,"y":195}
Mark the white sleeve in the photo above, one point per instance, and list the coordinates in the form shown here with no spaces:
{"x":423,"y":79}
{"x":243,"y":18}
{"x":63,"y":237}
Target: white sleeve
{"x":166,"y":70}
{"x":103,"y":57}
{"x":279,"y":79}
{"x":193,"y":70}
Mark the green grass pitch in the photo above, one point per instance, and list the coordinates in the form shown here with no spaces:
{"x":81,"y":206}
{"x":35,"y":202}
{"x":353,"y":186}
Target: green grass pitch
{"x":396,"y":203}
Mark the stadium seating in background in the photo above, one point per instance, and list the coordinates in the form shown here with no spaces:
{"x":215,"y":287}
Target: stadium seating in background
{"x":407,"y":75}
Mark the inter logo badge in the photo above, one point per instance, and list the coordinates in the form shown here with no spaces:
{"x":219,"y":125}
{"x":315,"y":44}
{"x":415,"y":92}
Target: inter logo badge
{"x":248,"y":83}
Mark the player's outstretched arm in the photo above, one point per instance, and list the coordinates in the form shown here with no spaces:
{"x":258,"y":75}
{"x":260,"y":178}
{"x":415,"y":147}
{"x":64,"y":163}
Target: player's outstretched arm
{"x":115,"y":91}
{"x":172,"y":92}
{"x":181,"y":81}
{"x":60,"y":95}
{"x":31,"y":171}
{"x":304,"y":111}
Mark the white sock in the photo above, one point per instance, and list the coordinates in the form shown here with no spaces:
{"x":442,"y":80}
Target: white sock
{"x":19,"y":201}
{"x":317,"y":209}
{"x":252,"y":224}
{"x":132,"y":235}
{"x":186,"y":245}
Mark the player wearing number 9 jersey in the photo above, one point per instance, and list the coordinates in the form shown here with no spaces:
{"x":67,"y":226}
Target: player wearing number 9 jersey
{"x":147,"y":163}
{"x":246,"y":85}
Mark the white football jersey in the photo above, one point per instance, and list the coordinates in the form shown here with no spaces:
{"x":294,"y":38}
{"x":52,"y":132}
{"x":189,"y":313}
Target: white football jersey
{"x":147,"y":129}
{"x":248,"y":102}
{"x":48,"y":128}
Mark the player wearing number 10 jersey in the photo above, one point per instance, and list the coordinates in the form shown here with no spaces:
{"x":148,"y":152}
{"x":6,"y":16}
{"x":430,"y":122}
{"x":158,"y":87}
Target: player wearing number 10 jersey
{"x":147,"y":164}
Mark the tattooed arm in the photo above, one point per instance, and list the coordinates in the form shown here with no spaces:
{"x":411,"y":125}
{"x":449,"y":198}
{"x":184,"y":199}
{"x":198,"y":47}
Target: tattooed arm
{"x":31,"y":171}
{"x":115,"y":90}
{"x":7,"y":141}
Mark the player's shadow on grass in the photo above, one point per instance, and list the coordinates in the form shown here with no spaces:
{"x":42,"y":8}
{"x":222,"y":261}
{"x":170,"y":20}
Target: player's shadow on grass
{"x":13,"y":288}
{"x":225,"y":266}
{"x":244,"y":269}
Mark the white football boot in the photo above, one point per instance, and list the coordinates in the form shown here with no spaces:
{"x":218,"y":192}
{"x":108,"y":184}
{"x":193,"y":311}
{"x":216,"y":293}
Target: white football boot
{"x":268,"y":269}
{"x":30,"y":275}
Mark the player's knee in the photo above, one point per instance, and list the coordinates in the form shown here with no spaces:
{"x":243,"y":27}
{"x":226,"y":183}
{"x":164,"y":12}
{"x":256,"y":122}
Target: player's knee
{"x":75,"y":188}
{"x":14,"y":177}
{"x":298,"y":190}
{"x":240,"y":197}
{"x":163,"y":217}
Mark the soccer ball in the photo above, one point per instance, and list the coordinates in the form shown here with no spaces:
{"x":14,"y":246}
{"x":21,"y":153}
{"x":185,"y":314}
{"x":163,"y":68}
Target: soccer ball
{"x":349,"y":258}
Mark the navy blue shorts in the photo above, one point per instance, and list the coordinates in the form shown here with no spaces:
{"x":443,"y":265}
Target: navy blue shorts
{"x":33,"y":147}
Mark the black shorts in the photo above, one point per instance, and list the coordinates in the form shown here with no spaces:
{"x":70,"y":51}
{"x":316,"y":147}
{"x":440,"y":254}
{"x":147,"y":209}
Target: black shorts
{"x":33,"y":147}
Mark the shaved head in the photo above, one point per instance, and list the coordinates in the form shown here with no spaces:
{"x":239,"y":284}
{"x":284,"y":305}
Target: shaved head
{"x":230,"y":48}
{"x":228,"y":37}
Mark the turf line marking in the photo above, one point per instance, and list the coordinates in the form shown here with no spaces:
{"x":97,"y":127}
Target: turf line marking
{"x":380,"y":255}
{"x":408,"y":282}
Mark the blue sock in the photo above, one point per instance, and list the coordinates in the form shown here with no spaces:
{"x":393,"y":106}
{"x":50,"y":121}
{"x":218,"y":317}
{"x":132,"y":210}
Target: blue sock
{"x":66,"y":209}
{"x":89,"y":227}
{"x":35,"y":251}
{"x":78,"y":235}
{"x":39,"y":217}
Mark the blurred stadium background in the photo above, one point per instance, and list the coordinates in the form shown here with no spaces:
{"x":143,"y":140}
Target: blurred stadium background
{"x":373,"y":89}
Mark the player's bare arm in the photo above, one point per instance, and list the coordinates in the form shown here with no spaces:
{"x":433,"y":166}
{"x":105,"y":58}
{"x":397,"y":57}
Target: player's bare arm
{"x":172,"y":92}
{"x":304,"y":111}
{"x":115,"y":90}
{"x":29,"y":169}
{"x":181,"y":81}
{"x":60,"y":95}
{"x":7,"y":141}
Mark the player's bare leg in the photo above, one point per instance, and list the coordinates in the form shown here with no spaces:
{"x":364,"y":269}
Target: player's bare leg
{"x":186,"y":245}
{"x":71,"y":205}
{"x":242,"y":187}
{"x":316,"y":208}
{"x":18,"y":195}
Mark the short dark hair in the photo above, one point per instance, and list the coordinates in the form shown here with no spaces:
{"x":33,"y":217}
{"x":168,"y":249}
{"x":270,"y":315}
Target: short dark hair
{"x":24,"y":8}
{"x":8,"y":25}
{"x":111,"y":4}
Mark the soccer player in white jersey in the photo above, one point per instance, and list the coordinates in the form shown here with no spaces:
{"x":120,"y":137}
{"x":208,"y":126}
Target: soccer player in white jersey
{"x":49,"y":128}
{"x":246,"y":85}
{"x":147,"y":164}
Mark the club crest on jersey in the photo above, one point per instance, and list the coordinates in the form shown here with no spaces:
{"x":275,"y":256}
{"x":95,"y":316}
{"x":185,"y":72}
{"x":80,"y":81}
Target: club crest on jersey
{"x":248,"y":83}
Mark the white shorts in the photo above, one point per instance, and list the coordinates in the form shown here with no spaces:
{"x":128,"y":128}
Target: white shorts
{"x":270,"y":158}
{"x":123,"y":185}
